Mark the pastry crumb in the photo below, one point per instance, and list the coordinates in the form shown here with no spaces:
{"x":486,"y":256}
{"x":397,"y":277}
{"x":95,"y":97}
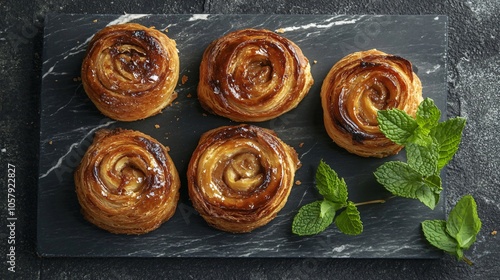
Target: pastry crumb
{"x":165,"y":30}
{"x":280,"y":30}
{"x":184,"y":79}
{"x":94,"y":21}
{"x":176,"y":102}
{"x":301,"y":145}
{"x":152,"y":27}
{"x":298,"y":183}
{"x":204,"y":114}
{"x":157,"y":126}
{"x":50,"y":142}
{"x":315,"y":61}
{"x":189,"y":95}
{"x":494,"y":232}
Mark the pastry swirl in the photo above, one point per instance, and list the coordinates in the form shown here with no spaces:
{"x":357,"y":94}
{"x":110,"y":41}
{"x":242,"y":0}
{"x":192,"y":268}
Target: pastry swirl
{"x":130,"y":71}
{"x":355,"y":89}
{"x":126,"y":182}
{"x":239,"y":177}
{"x":253,"y":75}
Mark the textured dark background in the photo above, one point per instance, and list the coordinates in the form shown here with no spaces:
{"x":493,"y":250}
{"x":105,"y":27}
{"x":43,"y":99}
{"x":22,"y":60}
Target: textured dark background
{"x":473,"y":84}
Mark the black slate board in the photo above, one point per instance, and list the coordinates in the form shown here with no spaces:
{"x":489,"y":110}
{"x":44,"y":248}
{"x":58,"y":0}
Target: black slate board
{"x":69,"y":119}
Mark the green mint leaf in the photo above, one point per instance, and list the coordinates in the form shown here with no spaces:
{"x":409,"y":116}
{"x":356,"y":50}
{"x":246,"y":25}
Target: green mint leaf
{"x":399,"y":178}
{"x":448,"y":135}
{"x":428,"y":115}
{"x":396,"y":125}
{"x":420,"y":137}
{"x":428,"y":195}
{"x":463,"y":223}
{"x":328,"y":206}
{"x":435,"y":233}
{"x":330,"y":186}
{"x":424,"y":159}
{"x":309,"y":220}
{"x":349,"y":221}
{"x":434,"y":182}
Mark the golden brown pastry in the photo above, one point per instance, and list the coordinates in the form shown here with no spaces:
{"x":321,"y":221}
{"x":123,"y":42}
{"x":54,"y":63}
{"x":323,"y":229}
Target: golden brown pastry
{"x":355,"y":89}
{"x":130,"y":71}
{"x":126,"y":182}
{"x":253,"y":75}
{"x":239,"y":177}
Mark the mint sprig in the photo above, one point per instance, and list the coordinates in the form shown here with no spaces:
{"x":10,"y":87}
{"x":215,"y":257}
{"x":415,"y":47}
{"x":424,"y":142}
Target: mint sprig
{"x":457,"y":233}
{"x":315,"y":217}
{"x":429,"y":145}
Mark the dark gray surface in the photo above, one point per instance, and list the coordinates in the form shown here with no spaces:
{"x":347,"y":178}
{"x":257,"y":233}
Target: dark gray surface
{"x":473,"y":84}
{"x":391,"y":230}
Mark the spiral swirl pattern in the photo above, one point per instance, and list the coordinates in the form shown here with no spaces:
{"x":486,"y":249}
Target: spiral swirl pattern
{"x":239,"y":177}
{"x":355,"y":89}
{"x":253,"y":75}
{"x":126,"y":182}
{"x":130,"y":71}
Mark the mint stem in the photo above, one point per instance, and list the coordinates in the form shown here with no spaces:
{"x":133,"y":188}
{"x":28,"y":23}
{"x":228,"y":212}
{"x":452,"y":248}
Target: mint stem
{"x":467,"y":261}
{"x":373,"y":201}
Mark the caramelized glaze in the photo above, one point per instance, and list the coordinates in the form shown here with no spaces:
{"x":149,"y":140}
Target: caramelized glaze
{"x":356,"y":88}
{"x":239,"y":177}
{"x":126,"y":182}
{"x":253,"y":75}
{"x":130,"y":71}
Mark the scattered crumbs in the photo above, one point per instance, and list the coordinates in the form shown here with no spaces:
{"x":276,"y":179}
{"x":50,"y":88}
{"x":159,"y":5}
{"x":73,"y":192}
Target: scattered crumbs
{"x":50,"y":142}
{"x":167,"y":148}
{"x":301,"y":145}
{"x":184,"y":79}
{"x":177,"y":118}
{"x":165,"y":30}
{"x":176,"y":102}
{"x":77,"y":79}
{"x":280,"y":30}
{"x":94,"y":21}
{"x":204,"y":114}
{"x":152,"y":27}
{"x":4,"y":150}
{"x":157,"y":126}
{"x":298,"y":183}
{"x":56,"y":81}
{"x":315,"y":61}
{"x":494,"y":232}
{"x":189,"y":95}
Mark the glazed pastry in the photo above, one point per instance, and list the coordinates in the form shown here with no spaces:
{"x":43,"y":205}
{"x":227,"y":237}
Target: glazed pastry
{"x":253,"y":75}
{"x":126,"y":182}
{"x":130,"y":71}
{"x":239,"y":177}
{"x":355,"y":89}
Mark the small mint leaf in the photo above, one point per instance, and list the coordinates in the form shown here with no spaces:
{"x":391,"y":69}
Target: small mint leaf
{"x":420,"y":137}
{"x":309,"y":220}
{"x":428,"y":115}
{"x":448,"y":135}
{"x":435,"y":233}
{"x":328,"y":206}
{"x":349,"y":221}
{"x":423,"y":159}
{"x":428,"y":196}
{"x":330,"y":186}
{"x":396,"y":125}
{"x":463,"y":223}
{"x":434,"y":182}
{"x":399,"y":178}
